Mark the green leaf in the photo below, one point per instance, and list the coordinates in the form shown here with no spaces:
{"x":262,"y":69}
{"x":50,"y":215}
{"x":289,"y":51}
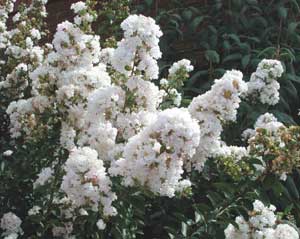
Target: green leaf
{"x":235,"y":38}
{"x":184,"y":229}
{"x":296,"y":5}
{"x":196,"y":22}
{"x":292,"y":187}
{"x":292,"y":27}
{"x":283,"y":117}
{"x":232,"y":57}
{"x":267,"y":51}
{"x":291,"y":90}
{"x":282,"y":12}
{"x":148,"y":2}
{"x":245,"y":61}
{"x":212,"y":56}
{"x":187,"y":14}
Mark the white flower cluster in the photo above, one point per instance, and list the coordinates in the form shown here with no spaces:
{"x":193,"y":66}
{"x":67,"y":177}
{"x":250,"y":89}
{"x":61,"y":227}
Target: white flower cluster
{"x":146,"y":94}
{"x":266,"y":121}
{"x":82,"y":14}
{"x":11,"y":225}
{"x":138,"y":50}
{"x":262,"y":224}
{"x":5,"y":9}
{"x":21,"y":111}
{"x":263,"y":84}
{"x":155,"y":157}
{"x":86,"y":182}
{"x":238,"y":153}
{"x":21,"y":45}
{"x":178,"y":73}
{"x":44,"y":176}
{"x":182,"y":64}
{"x":273,"y":127}
{"x":213,"y":108}
{"x":70,"y":72}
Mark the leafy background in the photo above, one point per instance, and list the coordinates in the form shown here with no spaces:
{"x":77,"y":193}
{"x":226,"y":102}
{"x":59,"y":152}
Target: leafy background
{"x":220,"y":35}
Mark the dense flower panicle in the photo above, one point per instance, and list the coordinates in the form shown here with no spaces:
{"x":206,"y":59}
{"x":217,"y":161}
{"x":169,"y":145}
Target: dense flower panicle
{"x":100,"y":136}
{"x":139,"y":49}
{"x":21,"y":114}
{"x":263,"y":84}
{"x":276,"y":141}
{"x":99,"y":131}
{"x":5,"y":9}
{"x":223,"y":99}
{"x":21,"y":47}
{"x":212,"y":109}
{"x":64,"y":231}
{"x":147,"y":95}
{"x":105,"y":103}
{"x":154,"y":158}
{"x":144,"y":27}
{"x":266,"y":121}
{"x":262,"y":224}
{"x":130,"y":124}
{"x":70,"y":41}
{"x":283,"y":231}
{"x":11,"y":224}
{"x":86,"y":182}
{"x":106,"y":55}
{"x":70,"y":72}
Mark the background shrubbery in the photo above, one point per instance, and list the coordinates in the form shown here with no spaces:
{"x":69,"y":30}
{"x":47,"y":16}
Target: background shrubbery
{"x":220,"y":35}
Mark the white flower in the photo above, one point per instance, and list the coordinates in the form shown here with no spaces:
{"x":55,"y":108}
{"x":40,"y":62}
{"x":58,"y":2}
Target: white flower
{"x":263,"y":84}
{"x":284,"y":231}
{"x":44,"y":176}
{"x":8,"y":153}
{"x":238,"y":153}
{"x":218,"y":105}
{"x":12,"y":236}
{"x":262,"y":224}
{"x":83,"y":212}
{"x":101,"y":225}
{"x":147,"y":95}
{"x":35,"y":34}
{"x":182,"y":64}
{"x":78,"y":6}
{"x":11,"y":223}
{"x":163,"y":82}
{"x":176,"y":135}
{"x":16,"y":17}
{"x":283,"y":176}
{"x":34,"y":210}
{"x":139,"y":47}
{"x":86,"y":182}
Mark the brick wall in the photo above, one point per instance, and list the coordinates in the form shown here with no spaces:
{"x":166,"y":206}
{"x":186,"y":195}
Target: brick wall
{"x":59,"y":10}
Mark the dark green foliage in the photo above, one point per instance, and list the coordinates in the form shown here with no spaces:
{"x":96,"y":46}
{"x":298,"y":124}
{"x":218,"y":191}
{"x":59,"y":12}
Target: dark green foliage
{"x":222,"y":35}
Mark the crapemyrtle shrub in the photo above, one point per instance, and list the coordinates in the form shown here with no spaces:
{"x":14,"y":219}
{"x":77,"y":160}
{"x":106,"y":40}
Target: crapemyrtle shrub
{"x":99,"y":142}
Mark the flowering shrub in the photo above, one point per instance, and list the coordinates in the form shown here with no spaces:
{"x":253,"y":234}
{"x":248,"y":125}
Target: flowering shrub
{"x":97,"y":140}
{"x":262,"y":223}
